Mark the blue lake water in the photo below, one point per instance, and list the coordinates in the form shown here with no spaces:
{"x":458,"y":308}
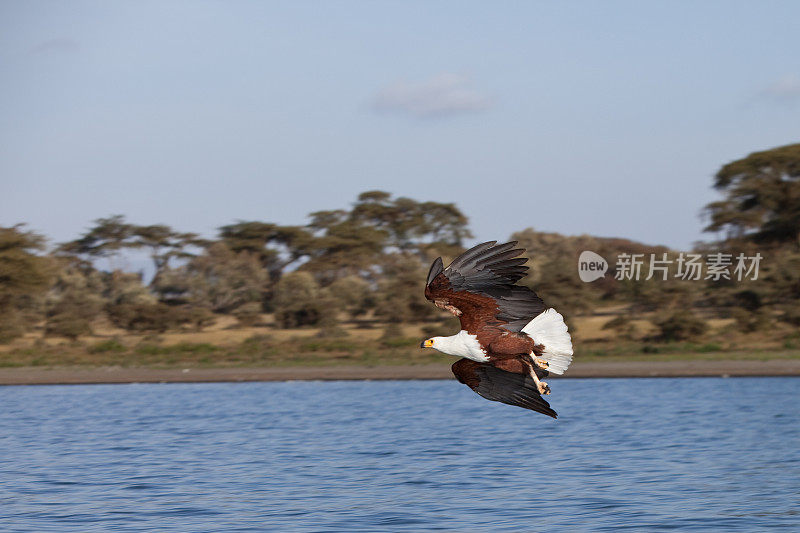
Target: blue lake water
{"x":625,"y":454}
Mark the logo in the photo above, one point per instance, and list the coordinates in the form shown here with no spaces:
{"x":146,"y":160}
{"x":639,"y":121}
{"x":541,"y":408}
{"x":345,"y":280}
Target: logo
{"x":591,"y":266}
{"x":690,"y":266}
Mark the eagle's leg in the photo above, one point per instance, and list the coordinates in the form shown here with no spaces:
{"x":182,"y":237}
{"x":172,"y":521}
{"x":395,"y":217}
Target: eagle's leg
{"x":543,"y":387}
{"x":538,"y":349}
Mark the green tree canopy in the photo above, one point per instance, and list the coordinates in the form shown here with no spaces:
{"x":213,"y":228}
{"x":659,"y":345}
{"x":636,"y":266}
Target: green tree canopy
{"x":411,"y":225}
{"x":762,"y":197}
{"x":357,"y":242}
{"x":345,"y":247}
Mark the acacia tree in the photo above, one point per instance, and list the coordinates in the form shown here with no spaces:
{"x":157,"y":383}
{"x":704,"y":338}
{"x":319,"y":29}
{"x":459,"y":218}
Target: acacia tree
{"x":357,"y":242}
{"x":762,"y":197}
{"x":411,"y":225}
{"x":111,"y":235}
{"x":24,"y":279}
{"x":343,"y":247}
{"x":106,"y":239}
{"x":164,"y":244}
{"x":276,"y":247}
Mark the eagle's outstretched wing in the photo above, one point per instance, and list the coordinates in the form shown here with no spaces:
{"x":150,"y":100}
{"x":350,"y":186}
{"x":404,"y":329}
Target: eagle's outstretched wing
{"x":501,"y":386}
{"x":479,"y":287}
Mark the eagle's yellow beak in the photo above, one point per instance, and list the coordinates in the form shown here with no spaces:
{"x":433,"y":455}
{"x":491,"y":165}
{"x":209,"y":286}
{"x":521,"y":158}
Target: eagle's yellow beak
{"x":427,"y":344}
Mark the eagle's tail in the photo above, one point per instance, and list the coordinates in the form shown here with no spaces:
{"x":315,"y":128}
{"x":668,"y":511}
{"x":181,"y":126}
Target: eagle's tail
{"x":548,"y":329}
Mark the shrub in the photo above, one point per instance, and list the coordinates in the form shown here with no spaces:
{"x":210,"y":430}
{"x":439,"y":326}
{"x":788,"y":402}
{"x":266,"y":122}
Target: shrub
{"x":192,"y":347}
{"x":257,"y":344}
{"x":219,"y":278}
{"x":392,"y":331}
{"x":400,"y":342}
{"x":750,"y":321}
{"x":352,"y":294}
{"x":71,"y":314}
{"x":332,"y":331}
{"x":110,"y":345}
{"x":248,"y":315}
{"x":64,"y":325}
{"x":621,"y":326}
{"x":180,"y":348}
{"x":747,"y":299}
{"x":393,"y":337}
{"x":327,"y":345}
{"x":443,"y":329}
{"x":399,"y":297}
{"x":680,"y":326}
{"x":197,"y":317}
{"x":299,"y":301}
{"x":791,"y":315}
{"x":146,"y":317}
{"x":10,"y":327}
{"x":708,"y":347}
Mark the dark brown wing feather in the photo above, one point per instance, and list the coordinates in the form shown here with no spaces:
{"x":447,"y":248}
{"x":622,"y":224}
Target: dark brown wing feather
{"x":501,"y":386}
{"x":480,"y":283}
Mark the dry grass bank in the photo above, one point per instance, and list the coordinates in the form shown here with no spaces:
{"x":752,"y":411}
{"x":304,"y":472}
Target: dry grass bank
{"x":226,"y":344}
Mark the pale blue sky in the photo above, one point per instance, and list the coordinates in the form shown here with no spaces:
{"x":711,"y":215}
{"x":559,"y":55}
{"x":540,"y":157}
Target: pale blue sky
{"x":607,"y":118}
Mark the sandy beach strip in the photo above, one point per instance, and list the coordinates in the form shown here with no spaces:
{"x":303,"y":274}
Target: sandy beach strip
{"x":610,"y":369}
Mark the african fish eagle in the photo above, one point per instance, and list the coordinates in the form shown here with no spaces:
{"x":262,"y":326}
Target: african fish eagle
{"x":509,"y":339}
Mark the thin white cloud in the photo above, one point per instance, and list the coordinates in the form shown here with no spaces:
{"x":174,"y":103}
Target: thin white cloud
{"x":786,"y":89}
{"x":60,"y":44}
{"x":443,"y":95}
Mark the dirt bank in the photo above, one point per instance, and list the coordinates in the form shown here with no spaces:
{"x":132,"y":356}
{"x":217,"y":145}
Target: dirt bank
{"x":75,"y":375}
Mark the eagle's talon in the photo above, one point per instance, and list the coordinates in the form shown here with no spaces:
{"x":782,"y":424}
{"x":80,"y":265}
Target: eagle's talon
{"x":544,"y":388}
{"x":544,"y":365}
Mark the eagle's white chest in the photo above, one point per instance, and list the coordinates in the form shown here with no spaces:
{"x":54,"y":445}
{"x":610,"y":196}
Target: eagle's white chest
{"x":462,"y":344}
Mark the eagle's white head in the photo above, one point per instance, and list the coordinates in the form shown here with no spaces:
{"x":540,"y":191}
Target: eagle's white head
{"x":462,"y":344}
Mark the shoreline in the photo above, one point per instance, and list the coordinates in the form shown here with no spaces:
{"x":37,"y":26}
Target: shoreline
{"x":609,"y":369}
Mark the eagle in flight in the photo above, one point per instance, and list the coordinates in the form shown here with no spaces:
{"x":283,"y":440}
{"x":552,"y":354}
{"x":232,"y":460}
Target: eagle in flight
{"x":509,"y":340}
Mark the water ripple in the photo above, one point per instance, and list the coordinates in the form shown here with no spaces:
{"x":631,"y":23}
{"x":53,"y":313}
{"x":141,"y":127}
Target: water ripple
{"x":639,"y":455}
